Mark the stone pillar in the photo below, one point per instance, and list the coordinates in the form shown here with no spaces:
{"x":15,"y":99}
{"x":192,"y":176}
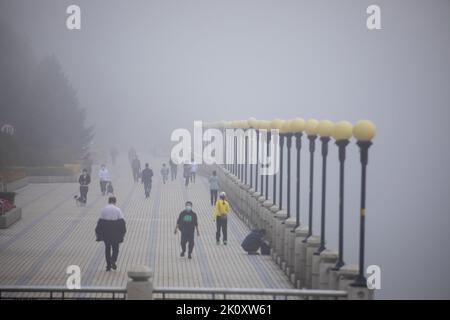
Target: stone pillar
{"x":328,"y":259}
{"x":140,"y":287}
{"x":299,"y":275}
{"x":279,"y":236}
{"x":272,"y":227}
{"x":312,"y":244}
{"x":289,"y":245}
{"x":267,"y":215}
{"x":346,"y":276}
{"x":260,"y":210}
{"x":255,"y":209}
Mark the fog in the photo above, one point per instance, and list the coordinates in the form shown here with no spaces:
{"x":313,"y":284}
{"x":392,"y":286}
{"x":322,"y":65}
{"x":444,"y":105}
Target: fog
{"x":143,"y":68}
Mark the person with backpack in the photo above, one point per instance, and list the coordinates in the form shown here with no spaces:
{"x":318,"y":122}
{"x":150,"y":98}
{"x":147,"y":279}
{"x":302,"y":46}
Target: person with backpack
{"x":187,"y":224}
{"x":84,"y":180}
{"x":221,"y":216}
{"x":111,"y":229}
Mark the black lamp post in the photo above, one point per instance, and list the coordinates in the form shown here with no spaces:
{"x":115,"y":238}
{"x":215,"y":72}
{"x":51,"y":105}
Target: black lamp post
{"x":325,"y":128}
{"x":364,"y":131}
{"x":311,"y":131}
{"x":280,"y":204}
{"x":288,"y":147}
{"x":257,"y":160}
{"x":342,"y":132}
{"x":246,"y":158}
{"x":269,"y":136}
{"x":298,"y":145}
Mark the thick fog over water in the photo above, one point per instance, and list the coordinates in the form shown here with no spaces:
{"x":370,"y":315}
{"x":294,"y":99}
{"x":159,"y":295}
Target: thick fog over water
{"x":141,"y":69}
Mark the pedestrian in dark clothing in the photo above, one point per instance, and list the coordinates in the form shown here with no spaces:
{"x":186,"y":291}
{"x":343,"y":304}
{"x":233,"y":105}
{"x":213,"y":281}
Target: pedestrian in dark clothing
{"x":213,"y":187}
{"x":147,"y":175}
{"x":186,"y":173}
{"x":111,"y":230}
{"x":255,"y":241}
{"x":136,"y":166}
{"x":187,"y":223}
{"x":173,"y":169}
{"x":84,"y":181}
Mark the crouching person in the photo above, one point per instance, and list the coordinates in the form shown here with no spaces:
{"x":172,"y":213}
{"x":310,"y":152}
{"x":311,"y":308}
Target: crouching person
{"x":111,"y":230}
{"x":255,"y":241}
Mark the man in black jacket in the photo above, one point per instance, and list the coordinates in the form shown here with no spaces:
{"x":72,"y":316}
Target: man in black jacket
{"x":84,"y":181}
{"x":111,"y":229}
{"x":187,"y":223}
{"x":254,"y":241}
{"x":147,"y":175}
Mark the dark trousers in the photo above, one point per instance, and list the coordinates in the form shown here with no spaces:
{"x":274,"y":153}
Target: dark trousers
{"x":187,"y":237}
{"x":111,"y":258}
{"x":164,"y":177}
{"x":213,"y":197}
{"x":136,"y":175}
{"x":192,"y":176}
{"x":83,"y":193}
{"x":173,"y":173}
{"x":221,"y":224}
{"x":186,"y":182}
{"x":103,"y":187}
{"x":147,"y":188}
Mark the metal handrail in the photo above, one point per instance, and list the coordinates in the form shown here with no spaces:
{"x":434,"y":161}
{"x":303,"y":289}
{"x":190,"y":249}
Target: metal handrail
{"x":164,"y":291}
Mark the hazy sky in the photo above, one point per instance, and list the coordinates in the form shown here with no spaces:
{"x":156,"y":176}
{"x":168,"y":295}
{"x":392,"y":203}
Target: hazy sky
{"x":142,"y":68}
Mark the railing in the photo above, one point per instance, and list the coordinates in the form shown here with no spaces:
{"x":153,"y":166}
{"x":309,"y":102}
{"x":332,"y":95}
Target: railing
{"x":104,"y":293}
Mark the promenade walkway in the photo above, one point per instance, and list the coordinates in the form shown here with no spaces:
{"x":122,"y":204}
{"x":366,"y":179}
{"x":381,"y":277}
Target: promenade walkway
{"x":54,"y":233}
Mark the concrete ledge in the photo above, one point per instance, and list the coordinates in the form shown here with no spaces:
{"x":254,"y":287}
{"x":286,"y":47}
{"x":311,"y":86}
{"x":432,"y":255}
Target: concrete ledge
{"x":10,"y":218}
{"x":52,"y":179}
{"x":13,"y":186}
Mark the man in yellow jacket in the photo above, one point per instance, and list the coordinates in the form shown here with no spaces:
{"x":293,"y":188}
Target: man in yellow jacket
{"x":220,"y":215}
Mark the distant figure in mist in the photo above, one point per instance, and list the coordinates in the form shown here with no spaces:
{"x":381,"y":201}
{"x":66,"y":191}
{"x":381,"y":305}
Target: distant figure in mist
{"x":114,"y":153}
{"x":131,"y":155}
{"x":84,"y":180}
{"x":173,"y":169}
{"x":255,"y":241}
{"x":103,"y":174}
{"x":147,"y":175}
{"x":186,"y":173}
{"x":194,"y":168}
{"x":164,"y":173}
{"x":109,"y":189}
{"x":111,"y":230}
{"x":136,"y":167}
{"x":86,"y":163}
{"x":213,"y":187}
{"x":187,"y":223}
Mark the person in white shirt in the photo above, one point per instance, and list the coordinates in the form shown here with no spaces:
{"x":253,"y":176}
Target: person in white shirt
{"x":193,"y":171}
{"x":111,"y":229}
{"x":103,"y":174}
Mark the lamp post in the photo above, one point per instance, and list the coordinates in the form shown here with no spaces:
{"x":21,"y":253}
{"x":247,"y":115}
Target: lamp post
{"x":364,"y":131}
{"x":325,"y":129}
{"x":257,"y":156}
{"x":288,"y":190}
{"x":297,"y":127}
{"x":282,"y":135}
{"x":269,"y":136}
{"x":251,"y":125}
{"x":342,"y":132}
{"x":265,"y":125}
{"x":276,"y":124}
{"x":311,"y":131}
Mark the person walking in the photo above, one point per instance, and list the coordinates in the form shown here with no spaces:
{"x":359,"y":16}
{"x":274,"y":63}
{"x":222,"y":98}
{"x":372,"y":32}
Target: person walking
{"x":173,"y":169}
{"x":103,"y":174}
{"x":213,"y":187}
{"x":221,"y":216}
{"x":147,"y":176}
{"x":186,"y":173}
{"x":111,"y":229}
{"x":194,"y":168}
{"x":84,"y":180}
{"x":187,"y":224}
{"x":136,"y":166}
{"x":164,"y":173}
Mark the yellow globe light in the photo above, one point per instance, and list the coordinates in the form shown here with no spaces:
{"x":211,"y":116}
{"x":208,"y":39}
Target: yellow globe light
{"x":364,"y":130}
{"x":276,"y":124}
{"x":325,"y":128}
{"x":252,"y":122}
{"x":285,"y":127}
{"x":264,"y":124}
{"x":244,"y":124}
{"x":311,"y":127}
{"x":297,"y":125}
{"x":342,"y":130}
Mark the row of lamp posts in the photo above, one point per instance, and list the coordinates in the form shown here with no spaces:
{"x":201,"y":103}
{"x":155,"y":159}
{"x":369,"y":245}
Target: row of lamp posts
{"x":341,"y":132}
